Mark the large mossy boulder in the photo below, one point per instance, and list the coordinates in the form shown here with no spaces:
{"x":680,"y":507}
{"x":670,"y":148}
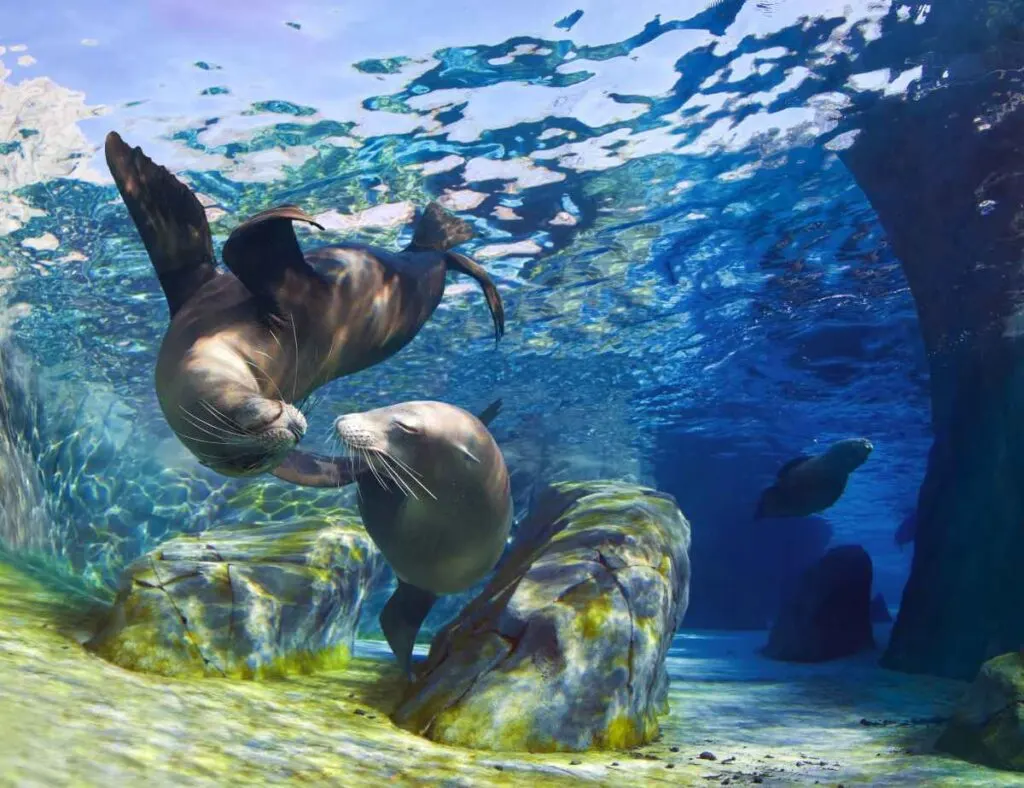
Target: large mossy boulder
{"x":827,"y":613}
{"x":564,"y":650}
{"x":987,"y":726}
{"x":247,"y":601}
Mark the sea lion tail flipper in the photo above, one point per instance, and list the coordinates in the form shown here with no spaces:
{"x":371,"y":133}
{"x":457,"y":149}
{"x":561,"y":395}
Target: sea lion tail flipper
{"x":440,"y":230}
{"x":401,"y":619}
{"x":168,"y":217}
{"x":263,"y":248}
{"x":462,"y":264}
{"x":315,"y":470}
{"x":490,"y":413}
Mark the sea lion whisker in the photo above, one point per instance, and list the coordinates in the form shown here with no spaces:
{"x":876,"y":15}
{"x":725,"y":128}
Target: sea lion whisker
{"x":268,"y":376}
{"x":309,"y":403}
{"x":373,"y":469}
{"x":210,"y":429}
{"x":229,"y":426}
{"x":396,"y":477}
{"x":219,"y":440}
{"x":295,"y":360}
{"x":412,"y":473}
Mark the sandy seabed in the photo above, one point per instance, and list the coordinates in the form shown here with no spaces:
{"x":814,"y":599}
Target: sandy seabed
{"x":71,"y":718}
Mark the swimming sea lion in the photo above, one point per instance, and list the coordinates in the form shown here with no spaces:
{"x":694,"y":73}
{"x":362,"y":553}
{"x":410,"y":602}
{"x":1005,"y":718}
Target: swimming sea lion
{"x":243,"y":346}
{"x":434,"y":496}
{"x":806,"y":484}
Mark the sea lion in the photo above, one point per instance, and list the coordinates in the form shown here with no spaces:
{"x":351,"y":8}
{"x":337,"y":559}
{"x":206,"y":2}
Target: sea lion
{"x":434,"y":496}
{"x":806,"y":484}
{"x":243,"y":346}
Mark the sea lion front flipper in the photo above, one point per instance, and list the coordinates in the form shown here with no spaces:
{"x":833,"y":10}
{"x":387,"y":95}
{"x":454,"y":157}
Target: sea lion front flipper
{"x":265,"y":255}
{"x":401,"y":619}
{"x":169,"y":218}
{"x":315,"y":470}
{"x":462,"y":264}
{"x":788,"y":466}
{"x":490,"y":413}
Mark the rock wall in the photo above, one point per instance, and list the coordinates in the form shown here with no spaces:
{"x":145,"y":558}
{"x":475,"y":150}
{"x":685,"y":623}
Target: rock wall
{"x":945,"y":173}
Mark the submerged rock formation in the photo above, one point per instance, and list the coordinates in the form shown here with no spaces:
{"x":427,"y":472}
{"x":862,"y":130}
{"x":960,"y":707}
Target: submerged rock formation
{"x":880,"y":610}
{"x":243,"y":601}
{"x":945,"y":174}
{"x":827,"y":615}
{"x":987,"y":726}
{"x":565,"y":648}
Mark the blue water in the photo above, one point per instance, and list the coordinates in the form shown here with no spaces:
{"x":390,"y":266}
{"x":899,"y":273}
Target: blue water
{"x":696,"y":290}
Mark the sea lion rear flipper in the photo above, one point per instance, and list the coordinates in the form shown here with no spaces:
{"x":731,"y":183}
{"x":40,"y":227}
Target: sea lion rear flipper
{"x":401,"y":619}
{"x":315,"y":470}
{"x":462,"y":264}
{"x":263,"y":249}
{"x":169,"y":218}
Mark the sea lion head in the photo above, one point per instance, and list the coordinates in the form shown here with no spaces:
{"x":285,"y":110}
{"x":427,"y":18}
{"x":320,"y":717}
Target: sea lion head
{"x":849,"y":454}
{"x":424,"y":448}
{"x":215,"y":404}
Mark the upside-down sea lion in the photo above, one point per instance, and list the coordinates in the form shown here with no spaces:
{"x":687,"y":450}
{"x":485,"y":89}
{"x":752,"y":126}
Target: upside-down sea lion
{"x":243,"y":346}
{"x":806,"y":484}
{"x":434,"y":496}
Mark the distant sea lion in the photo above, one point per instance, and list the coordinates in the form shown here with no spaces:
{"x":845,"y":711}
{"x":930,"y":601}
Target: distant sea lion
{"x":806,"y":484}
{"x":434,"y":495}
{"x":243,"y":346}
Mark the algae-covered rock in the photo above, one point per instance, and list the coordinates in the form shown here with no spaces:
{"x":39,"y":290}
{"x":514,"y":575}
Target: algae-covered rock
{"x":246,"y":601}
{"x":565,"y":647}
{"x":987,"y":726}
{"x":827,"y":614}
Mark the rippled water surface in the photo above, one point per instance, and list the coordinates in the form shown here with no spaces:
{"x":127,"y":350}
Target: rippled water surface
{"x":688,"y":268}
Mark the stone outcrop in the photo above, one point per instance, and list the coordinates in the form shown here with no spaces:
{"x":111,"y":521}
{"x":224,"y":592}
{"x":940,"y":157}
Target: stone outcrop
{"x":880,"y":610}
{"x":987,"y":726}
{"x":827,"y":614}
{"x":243,"y":601}
{"x":565,"y":647}
{"x":945,"y":174}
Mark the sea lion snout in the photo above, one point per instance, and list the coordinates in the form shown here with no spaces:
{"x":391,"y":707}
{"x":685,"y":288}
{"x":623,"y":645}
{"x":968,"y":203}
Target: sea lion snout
{"x":354,"y":431}
{"x":852,"y":452}
{"x":271,"y":421}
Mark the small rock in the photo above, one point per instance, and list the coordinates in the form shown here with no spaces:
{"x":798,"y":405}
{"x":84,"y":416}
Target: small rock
{"x":730,"y":759}
{"x":360,"y":712}
{"x":673,"y":749}
{"x":707,"y":756}
{"x":264,"y":599}
{"x":575,"y":763}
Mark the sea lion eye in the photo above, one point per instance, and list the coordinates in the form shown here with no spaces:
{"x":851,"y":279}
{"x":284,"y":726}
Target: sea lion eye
{"x":406,"y":427}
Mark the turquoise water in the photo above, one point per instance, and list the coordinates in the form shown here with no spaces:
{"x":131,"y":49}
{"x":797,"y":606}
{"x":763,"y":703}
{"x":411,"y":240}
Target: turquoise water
{"x":693,"y":281}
